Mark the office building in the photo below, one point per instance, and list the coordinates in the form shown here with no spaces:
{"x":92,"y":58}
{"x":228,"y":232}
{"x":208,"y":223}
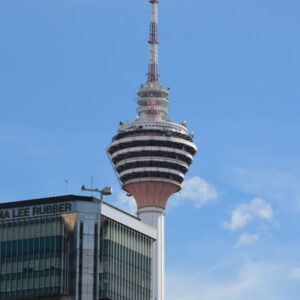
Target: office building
{"x":73,"y":248}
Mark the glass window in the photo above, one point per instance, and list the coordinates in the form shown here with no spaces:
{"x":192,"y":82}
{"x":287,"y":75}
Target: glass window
{"x":125,"y":263}
{"x":24,"y":269}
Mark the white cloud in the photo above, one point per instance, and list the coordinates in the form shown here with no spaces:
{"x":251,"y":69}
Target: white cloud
{"x":244,"y":213}
{"x":197,"y":190}
{"x":295,"y":273}
{"x":253,"y":280}
{"x":126,"y":203}
{"x":247,"y":239}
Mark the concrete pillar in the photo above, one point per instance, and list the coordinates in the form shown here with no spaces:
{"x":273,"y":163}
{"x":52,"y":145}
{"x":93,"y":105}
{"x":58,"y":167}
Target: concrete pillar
{"x":155,"y":217}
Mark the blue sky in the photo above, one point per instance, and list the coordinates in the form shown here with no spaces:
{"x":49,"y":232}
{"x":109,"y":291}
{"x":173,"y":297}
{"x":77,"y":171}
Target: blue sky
{"x":69,"y":72}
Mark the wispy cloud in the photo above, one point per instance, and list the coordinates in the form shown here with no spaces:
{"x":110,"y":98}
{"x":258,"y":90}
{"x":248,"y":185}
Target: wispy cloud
{"x":19,"y":138}
{"x":271,"y":184}
{"x":197,"y":190}
{"x":246,"y":212}
{"x":295,"y":273}
{"x":253,"y":280}
{"x":247,"y":239}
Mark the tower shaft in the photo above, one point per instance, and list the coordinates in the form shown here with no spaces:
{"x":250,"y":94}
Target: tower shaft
{"x":155,"y":217}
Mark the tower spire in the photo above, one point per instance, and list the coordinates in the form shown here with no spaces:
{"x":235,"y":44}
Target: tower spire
{"x":153,"y":43}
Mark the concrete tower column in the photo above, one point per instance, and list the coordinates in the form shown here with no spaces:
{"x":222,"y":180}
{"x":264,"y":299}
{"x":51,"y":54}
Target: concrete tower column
{"x":155,"y":217}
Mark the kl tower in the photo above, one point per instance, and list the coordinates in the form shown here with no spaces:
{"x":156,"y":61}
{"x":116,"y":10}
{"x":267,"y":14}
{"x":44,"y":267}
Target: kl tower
{"x":152,"y":154}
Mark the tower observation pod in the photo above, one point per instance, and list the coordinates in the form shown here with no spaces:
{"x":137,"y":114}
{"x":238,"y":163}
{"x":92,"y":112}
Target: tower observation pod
{"x":152,"y":154}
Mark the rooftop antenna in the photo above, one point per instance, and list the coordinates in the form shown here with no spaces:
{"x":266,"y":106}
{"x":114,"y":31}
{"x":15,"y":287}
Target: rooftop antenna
{"x":92,"y":184}
{"x":153,"y":43}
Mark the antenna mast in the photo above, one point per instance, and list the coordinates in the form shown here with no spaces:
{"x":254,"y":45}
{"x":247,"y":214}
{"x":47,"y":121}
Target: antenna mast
{"x":153,"y":43}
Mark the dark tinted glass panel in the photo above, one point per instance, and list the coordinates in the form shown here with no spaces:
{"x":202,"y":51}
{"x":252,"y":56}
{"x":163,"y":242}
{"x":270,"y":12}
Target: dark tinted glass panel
{"x":125,"y":263}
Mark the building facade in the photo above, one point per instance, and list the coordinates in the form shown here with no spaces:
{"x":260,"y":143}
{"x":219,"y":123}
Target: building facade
{"x":73,"y":247}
